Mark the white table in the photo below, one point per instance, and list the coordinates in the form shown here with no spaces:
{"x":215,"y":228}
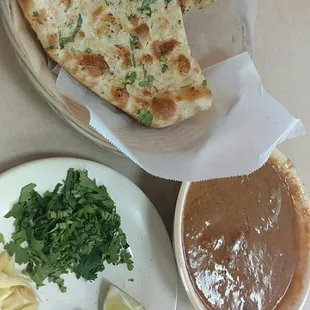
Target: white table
{"x":30,"y":130}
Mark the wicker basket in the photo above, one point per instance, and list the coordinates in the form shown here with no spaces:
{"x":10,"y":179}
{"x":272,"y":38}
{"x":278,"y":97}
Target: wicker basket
{"x":37,"y":67}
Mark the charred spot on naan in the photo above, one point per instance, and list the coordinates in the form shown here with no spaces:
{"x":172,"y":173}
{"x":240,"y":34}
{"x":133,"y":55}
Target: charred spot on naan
{"x":143,"y":31}
{"x":98,"y":14}
{"x":183,"y":64}
{"x":39,"y":17}
{"x":124,"y":53}
{"x":134,"y":20}
{"x":121,"y":96}
{"x":94,"y":64}
{"x":164,"y":48}
{"x":52,"y":40}
{"x":194,"y":93}
{"x":163,"y":107}
{"x":146,"y":59}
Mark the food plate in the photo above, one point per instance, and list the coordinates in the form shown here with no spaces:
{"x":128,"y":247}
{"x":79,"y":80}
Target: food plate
{"x":153,"y":282}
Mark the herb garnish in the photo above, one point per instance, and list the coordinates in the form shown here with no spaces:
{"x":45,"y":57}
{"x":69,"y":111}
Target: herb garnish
{"x":65,"y":40}
{"x":88,"y":50}
{"x":146,"y":7}
{"x":35,"y":14}
{"x":133,"y":41}
{"x":145,"y":117}
{"x":73,"y":228}
{"x":131,"y":16}
{"x":204,"y":83}
{"x":164,"y":68}
{"x":148,"y":81}
{"x":167,"y":2}
{"x":131,"y":77}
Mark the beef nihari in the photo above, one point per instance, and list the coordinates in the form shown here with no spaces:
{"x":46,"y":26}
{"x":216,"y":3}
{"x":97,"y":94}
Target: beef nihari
{"x":132,"y":53}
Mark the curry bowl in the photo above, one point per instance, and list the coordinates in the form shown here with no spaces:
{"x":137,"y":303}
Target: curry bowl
{"x":296,"y":292}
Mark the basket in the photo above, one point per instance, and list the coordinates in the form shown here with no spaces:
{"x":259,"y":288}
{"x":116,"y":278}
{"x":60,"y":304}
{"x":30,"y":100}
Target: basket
{"x":37,"y":67}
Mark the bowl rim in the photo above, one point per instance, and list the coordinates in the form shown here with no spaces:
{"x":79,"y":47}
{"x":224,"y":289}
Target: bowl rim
{"x":63,"y":112}
{"x":283,"y":163}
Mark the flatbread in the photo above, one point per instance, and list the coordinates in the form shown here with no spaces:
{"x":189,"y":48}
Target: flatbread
{"x":132,"y":53}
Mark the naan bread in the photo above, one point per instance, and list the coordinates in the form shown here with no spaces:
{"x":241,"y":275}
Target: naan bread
{"x":132,"y":53}
{"x":187,"y":5}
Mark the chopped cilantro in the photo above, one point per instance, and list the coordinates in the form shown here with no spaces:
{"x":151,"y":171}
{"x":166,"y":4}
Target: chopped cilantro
{"x":133,"y":60}
{"x":145,"y":117}
{"x":88,"y":50}
{"x":131,"y":16}
{"x":133,"y":41}
{"x":35,"y":14}
{"x":144,"y":83}
{"x":150,"y":79}
{"x":146,"y":7}
{"x":64,"y":40}
{"x":204,"y":83}
{"x":164,"y":68}
{"x":73,"y":228}
{"x":131,"y":77}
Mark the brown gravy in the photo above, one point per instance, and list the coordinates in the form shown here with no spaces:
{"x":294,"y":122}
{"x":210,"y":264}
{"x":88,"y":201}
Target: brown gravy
{"x":240,"y":240}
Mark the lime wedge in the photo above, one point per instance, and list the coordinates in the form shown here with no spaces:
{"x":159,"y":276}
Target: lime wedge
{"x":116,"y":299}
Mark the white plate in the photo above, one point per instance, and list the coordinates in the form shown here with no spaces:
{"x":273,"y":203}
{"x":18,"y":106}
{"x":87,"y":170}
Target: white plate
{"x":155,"y":276}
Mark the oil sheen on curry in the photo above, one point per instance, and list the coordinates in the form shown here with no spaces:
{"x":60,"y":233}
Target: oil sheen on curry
{"x":239,"y":240}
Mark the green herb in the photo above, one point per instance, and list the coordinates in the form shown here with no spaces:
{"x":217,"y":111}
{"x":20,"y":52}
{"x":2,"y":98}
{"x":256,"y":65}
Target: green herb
{"x":64,"y":40}
{"x":164,"y":68}
{"x":167,"y":2}
{"x":146,"y":7}
{"x":49,"y":48}
{"x":88,"y":50}
{"x":204,"y":83}
{"x":131,"y":16}
{"x":70,"y":26}
{"x":2,"y":238}
{"x":133,"y":41}
{"x":143,"y":83}
{"x":150,"y":79}
{"x":131,"y":77}
{"x":111,"y":73}
{"x":145,"y":117}
{"x":35,"y":14}
{"x":74,"y":228}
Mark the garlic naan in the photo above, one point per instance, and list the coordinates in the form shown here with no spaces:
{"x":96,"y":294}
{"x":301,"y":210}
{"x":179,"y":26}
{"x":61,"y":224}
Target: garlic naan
{"x":132,"y":53}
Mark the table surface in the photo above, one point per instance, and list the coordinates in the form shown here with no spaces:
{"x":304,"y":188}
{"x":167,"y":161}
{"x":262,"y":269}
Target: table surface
{"x":30,"y":130}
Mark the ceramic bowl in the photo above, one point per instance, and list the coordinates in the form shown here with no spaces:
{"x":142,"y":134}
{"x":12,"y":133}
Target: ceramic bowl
{"x":302,"y":274}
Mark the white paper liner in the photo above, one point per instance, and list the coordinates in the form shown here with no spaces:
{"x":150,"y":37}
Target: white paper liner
{"x":235,"y":137}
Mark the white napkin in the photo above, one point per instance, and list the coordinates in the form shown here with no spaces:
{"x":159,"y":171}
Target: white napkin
{"x":235,"y":137}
